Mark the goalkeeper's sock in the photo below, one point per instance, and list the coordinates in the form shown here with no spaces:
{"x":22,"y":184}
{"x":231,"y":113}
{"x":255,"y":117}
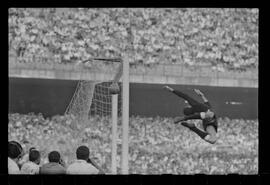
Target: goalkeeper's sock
{"x":199,"y":132}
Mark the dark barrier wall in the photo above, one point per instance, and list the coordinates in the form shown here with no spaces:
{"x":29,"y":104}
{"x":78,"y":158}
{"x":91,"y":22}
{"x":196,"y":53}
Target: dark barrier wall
{"x":51,"y":97}
{"x":226,"y":101}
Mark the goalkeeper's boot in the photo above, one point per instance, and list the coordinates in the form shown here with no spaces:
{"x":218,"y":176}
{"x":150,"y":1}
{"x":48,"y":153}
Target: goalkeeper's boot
{"x":188,"y":125}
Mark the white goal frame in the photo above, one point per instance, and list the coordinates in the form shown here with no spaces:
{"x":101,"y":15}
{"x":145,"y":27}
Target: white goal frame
{"x":123,"y":71}
{"x":125,"y":117}
{"x":125,"y":122}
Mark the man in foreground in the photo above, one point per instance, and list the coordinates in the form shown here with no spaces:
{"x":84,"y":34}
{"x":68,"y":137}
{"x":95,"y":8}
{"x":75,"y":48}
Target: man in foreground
{"x":55,"y":165}
{"x":32,"y":166}
{"x":15,"y":153}
{"x":83,"y":164}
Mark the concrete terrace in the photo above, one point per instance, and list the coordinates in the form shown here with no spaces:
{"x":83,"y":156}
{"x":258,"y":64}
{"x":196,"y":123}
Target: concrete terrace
{"x":157,"y":74}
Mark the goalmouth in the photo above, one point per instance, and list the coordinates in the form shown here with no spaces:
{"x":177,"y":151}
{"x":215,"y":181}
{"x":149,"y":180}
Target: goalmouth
{"x":86,"y":96}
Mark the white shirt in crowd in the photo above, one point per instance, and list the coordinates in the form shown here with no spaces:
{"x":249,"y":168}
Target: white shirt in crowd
{"x":81,"y":167}
{"x":30,"y":168}
{"x":13,"y":168}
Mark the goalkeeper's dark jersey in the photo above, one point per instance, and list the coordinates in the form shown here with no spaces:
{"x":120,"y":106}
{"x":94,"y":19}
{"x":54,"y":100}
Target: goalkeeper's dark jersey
{"x":198,"y":108}
{"x":210,"y":121}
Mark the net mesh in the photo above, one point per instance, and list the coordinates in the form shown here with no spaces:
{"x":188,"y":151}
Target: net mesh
{"x":102,"y":100}
{"x":94,"y":99}
{"x":81,"y":100}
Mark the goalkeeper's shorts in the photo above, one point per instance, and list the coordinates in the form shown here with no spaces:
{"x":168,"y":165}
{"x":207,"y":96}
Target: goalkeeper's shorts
{"x":212,"y":122}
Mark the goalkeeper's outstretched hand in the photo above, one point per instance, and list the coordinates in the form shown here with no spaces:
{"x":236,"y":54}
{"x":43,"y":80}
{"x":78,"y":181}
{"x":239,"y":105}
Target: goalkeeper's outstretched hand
{"x":168,"y":88}
{"x":198,"y":92}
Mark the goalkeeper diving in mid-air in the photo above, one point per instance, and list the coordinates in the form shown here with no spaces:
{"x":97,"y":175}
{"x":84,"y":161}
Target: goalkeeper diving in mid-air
{"x":197,"y":110}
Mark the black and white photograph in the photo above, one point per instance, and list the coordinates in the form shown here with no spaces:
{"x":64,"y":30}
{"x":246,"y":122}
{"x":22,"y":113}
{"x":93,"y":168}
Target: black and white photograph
{"x":123,"y":91}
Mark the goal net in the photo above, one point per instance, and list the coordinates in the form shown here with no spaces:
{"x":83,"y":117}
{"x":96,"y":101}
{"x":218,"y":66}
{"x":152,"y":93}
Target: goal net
{"x":101,"y":104}
{"x":93,"y":100}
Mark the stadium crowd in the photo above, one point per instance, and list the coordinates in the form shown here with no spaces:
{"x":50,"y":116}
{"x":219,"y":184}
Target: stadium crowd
{"x":156,"y":146}
{"x":225,"y":38}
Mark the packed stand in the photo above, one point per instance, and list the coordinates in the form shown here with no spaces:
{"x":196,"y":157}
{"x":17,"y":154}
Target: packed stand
{"x":225,"y":38}
{"x":156,"y":146}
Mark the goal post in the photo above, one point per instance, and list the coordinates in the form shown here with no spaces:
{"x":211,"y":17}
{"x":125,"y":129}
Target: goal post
{"x":94,"y":99}
{"x":114,"y":133}
{"x":125,"y":117}
{"x":124,"y":71}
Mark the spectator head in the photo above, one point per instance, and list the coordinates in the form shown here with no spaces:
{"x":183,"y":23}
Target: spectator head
{"x":15,"y":150}
{"x":82,"y":153}
{"x":34,"y":156}
{"x":188,"y":111}
{"x":54,"y":156}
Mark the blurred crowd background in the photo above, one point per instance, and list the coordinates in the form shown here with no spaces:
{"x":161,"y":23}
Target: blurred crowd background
{"x":156,"y":145}
{"x":225,"y":38}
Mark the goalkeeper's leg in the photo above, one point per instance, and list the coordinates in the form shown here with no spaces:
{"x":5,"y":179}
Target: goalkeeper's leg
{"x":209,"y":135}
{"x":212,"y":134}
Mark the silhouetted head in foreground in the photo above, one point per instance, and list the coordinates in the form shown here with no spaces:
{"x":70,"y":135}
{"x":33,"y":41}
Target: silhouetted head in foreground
{"x":54,"y":156}
{"x":82,"y":153}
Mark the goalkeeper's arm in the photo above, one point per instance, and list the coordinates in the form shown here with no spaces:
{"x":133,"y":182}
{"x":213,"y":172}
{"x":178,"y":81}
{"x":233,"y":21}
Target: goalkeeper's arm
{"x":168,"y":88}
{"x":198,"y":92}
{"x":189,"y":117}
{"x":198,"y":115}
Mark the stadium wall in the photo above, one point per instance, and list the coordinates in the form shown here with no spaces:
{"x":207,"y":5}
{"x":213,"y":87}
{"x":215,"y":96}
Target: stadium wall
{"x":51,"y":97}
{"x":156,"y":74}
